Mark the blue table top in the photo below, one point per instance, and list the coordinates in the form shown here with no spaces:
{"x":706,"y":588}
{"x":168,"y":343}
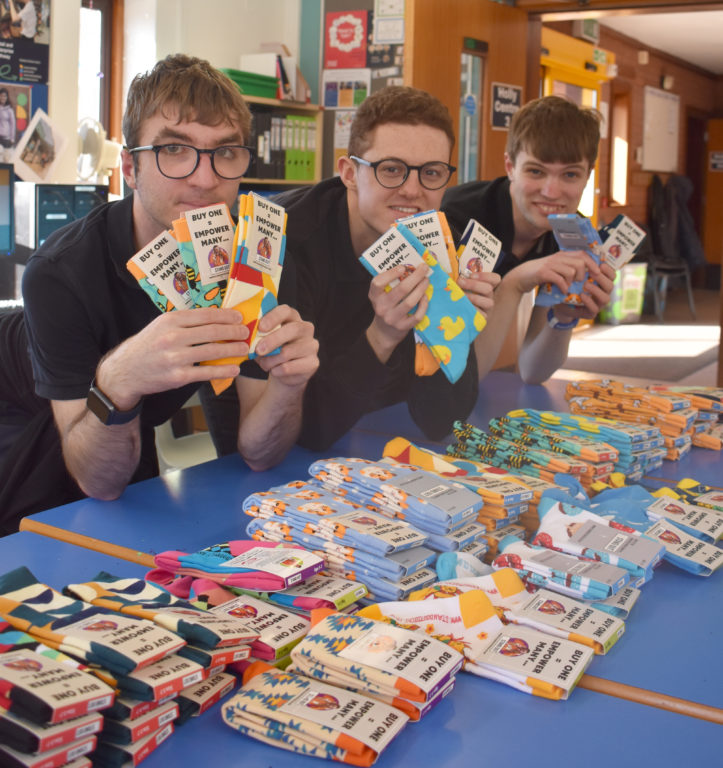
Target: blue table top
{"x":480,"y":722}
{"x":670,"y":644}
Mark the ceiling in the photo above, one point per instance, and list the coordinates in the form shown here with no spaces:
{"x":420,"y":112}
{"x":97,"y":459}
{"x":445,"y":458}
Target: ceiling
{"x":693,"y":37}
{"x":690,"y":30}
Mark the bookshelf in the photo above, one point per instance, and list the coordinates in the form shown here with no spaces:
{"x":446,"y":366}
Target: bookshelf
{"x":288,"y":139}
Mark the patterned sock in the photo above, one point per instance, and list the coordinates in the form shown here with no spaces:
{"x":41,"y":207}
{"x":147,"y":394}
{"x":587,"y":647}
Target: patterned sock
{"x":300,"y":715}
{"x":92,"y":634}
{"x":139,"y":598}
{"x":244,"y":563}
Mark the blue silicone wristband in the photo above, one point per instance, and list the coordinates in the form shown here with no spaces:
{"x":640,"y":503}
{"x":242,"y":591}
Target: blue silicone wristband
{"x":558,"y":325}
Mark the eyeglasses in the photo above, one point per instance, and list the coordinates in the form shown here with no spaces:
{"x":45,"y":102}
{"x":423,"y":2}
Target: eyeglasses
{"x":392,"y":173}
{"x":177,"y":161}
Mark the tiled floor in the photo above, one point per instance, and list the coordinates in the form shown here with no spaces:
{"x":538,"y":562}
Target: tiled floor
{"x":676,"y":327}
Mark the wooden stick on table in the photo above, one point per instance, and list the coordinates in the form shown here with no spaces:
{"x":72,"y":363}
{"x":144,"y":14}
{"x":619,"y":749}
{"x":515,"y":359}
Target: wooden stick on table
{"x":597,"y":684}
{"x":97,"y":545}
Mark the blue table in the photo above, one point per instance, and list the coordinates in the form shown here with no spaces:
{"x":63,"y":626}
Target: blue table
{"x":479,"y":723}
{"x":670,"y":644}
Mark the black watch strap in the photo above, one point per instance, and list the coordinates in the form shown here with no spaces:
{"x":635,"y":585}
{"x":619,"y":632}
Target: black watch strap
{"x":104,"y":408}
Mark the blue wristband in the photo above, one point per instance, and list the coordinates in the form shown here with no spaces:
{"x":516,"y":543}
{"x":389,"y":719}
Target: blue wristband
{"x":558,"y":325}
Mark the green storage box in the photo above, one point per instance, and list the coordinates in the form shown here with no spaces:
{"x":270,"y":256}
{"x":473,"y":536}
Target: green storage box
{"x":626,"y":299}
{"x":253,"y":84}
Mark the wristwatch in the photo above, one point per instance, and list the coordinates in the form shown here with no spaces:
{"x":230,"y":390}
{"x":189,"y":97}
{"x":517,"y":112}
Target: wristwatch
{"x":103,"y":407}
{"x":558,"y":325}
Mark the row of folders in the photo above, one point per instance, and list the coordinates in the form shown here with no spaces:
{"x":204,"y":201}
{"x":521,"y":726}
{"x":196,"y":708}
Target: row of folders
{"x":285,"y":147}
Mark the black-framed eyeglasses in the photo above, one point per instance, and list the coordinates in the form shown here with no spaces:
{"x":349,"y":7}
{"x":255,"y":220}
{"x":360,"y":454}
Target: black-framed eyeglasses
{"x":177,"y":161}
{"x":392,"y":172}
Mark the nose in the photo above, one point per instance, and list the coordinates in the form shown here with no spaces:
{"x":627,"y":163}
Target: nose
{"x":204,"y":175}
{"x":412,"y":186}
{"x":551,"y":186}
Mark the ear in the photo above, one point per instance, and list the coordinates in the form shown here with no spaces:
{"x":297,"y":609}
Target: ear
{"x":509,"y":166}
{"x":347,"y":171}
{"x":128,"y":169}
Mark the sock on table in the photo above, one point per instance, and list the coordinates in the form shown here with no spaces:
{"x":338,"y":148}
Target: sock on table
{"x":96,"y":635}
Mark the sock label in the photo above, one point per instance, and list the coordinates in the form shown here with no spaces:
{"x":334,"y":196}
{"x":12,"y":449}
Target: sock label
{"x":681,"y":544}
{"x":621,"y":603}
{"x":211,"y":229}
{"x":455,"y":501}
{"x":478,"y":250}
{"x":394,"y":534}
{"x":208,"y":692}
{"x":290,"y":564}
{"x":371,"y":722}
{"x":705,"y":522}
{"x":428,"y":230}
{"x":422,"y":660}
{"x":278,"y":630}
{"x":169,"y":675}
{"x":531,"y":654}
{"x":570,"y":616}
{"x":635,"y":549}
{"x":68,"y":692}
{"x":610,"y":575}
{"x":138,"y":640}
{"x":161,"y":272}
{"x":47,"y":737}
{"x":230,"y":631}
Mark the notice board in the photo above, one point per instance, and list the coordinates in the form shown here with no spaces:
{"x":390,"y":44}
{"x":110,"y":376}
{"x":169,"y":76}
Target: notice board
{"x":660,"y":130}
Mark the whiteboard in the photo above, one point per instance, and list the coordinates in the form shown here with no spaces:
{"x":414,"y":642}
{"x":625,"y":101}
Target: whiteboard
{"x":660,"y":130}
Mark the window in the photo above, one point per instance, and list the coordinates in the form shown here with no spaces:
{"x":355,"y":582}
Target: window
{"x":619,"y":148}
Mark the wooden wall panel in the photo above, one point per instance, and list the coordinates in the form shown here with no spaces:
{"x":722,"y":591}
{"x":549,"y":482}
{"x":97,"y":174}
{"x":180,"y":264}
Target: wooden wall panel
{"x":433,"y":44}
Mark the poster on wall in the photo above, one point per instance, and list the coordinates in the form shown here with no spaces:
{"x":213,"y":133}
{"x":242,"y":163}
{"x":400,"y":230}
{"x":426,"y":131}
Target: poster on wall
{"x":345,"y":88}
{"x":24,"y":40}
{"x":345,"y":38}
{"x":15,"y":110}
{"x":38,"y":151}
{"x":506,"y":100}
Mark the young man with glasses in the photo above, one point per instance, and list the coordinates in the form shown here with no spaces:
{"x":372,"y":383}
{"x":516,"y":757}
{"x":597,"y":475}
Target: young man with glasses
{"x":400,"y":147}
{"x":114,"y":368}
{"x":552,"y":145}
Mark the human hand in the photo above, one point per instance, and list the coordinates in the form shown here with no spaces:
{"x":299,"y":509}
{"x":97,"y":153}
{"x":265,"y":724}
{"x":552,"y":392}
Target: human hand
{"x":297,"y":360}
{"x":392,"y":319}
{"x":165,"y":354}
{"x":561,"y":269}
{"x":480,"y":290}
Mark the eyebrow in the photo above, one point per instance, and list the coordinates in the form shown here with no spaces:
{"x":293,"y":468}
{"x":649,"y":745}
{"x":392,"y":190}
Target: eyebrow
{"x":170,"y":133}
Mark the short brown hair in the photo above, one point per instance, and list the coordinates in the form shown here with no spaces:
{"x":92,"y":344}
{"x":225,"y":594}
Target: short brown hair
{"x":555,"y":130}
{"x":197,"y":90}
{"x":398,"y":104}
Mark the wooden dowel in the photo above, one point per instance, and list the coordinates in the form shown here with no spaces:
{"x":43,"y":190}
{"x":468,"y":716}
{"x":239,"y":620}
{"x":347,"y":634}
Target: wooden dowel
{"x":97,"y":545}
{"x":651,"y":698}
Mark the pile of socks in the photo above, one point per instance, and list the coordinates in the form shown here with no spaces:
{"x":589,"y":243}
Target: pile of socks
{"x":387,"y":555}
{"x":640,"y":448}
{"x":50,"y":704}
{"x":442,"y":509}
{"x":574,"y":530}
{"x":399,"y":666}
{"x":673,"y":414}
{"x":688,"y":532}
{"x":465,"y":618}
{"x":503,"y":499}
{"x":309,"y":717}
{"x":545,"y":610}
{"x":156,"y":660}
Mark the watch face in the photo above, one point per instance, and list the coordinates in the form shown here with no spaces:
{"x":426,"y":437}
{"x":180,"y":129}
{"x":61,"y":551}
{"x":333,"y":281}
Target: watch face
{"x":102,"y":406}
{"x":99,"y":404}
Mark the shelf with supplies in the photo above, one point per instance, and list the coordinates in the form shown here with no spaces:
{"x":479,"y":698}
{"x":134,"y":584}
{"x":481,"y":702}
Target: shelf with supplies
{"x":287,"y":136}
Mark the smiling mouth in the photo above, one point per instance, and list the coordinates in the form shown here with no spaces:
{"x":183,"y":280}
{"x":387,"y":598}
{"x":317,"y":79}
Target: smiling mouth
{"x":406,"y":209}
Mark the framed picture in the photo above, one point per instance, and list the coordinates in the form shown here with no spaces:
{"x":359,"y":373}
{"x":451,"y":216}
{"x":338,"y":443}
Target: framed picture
{"x":37,"y":152}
